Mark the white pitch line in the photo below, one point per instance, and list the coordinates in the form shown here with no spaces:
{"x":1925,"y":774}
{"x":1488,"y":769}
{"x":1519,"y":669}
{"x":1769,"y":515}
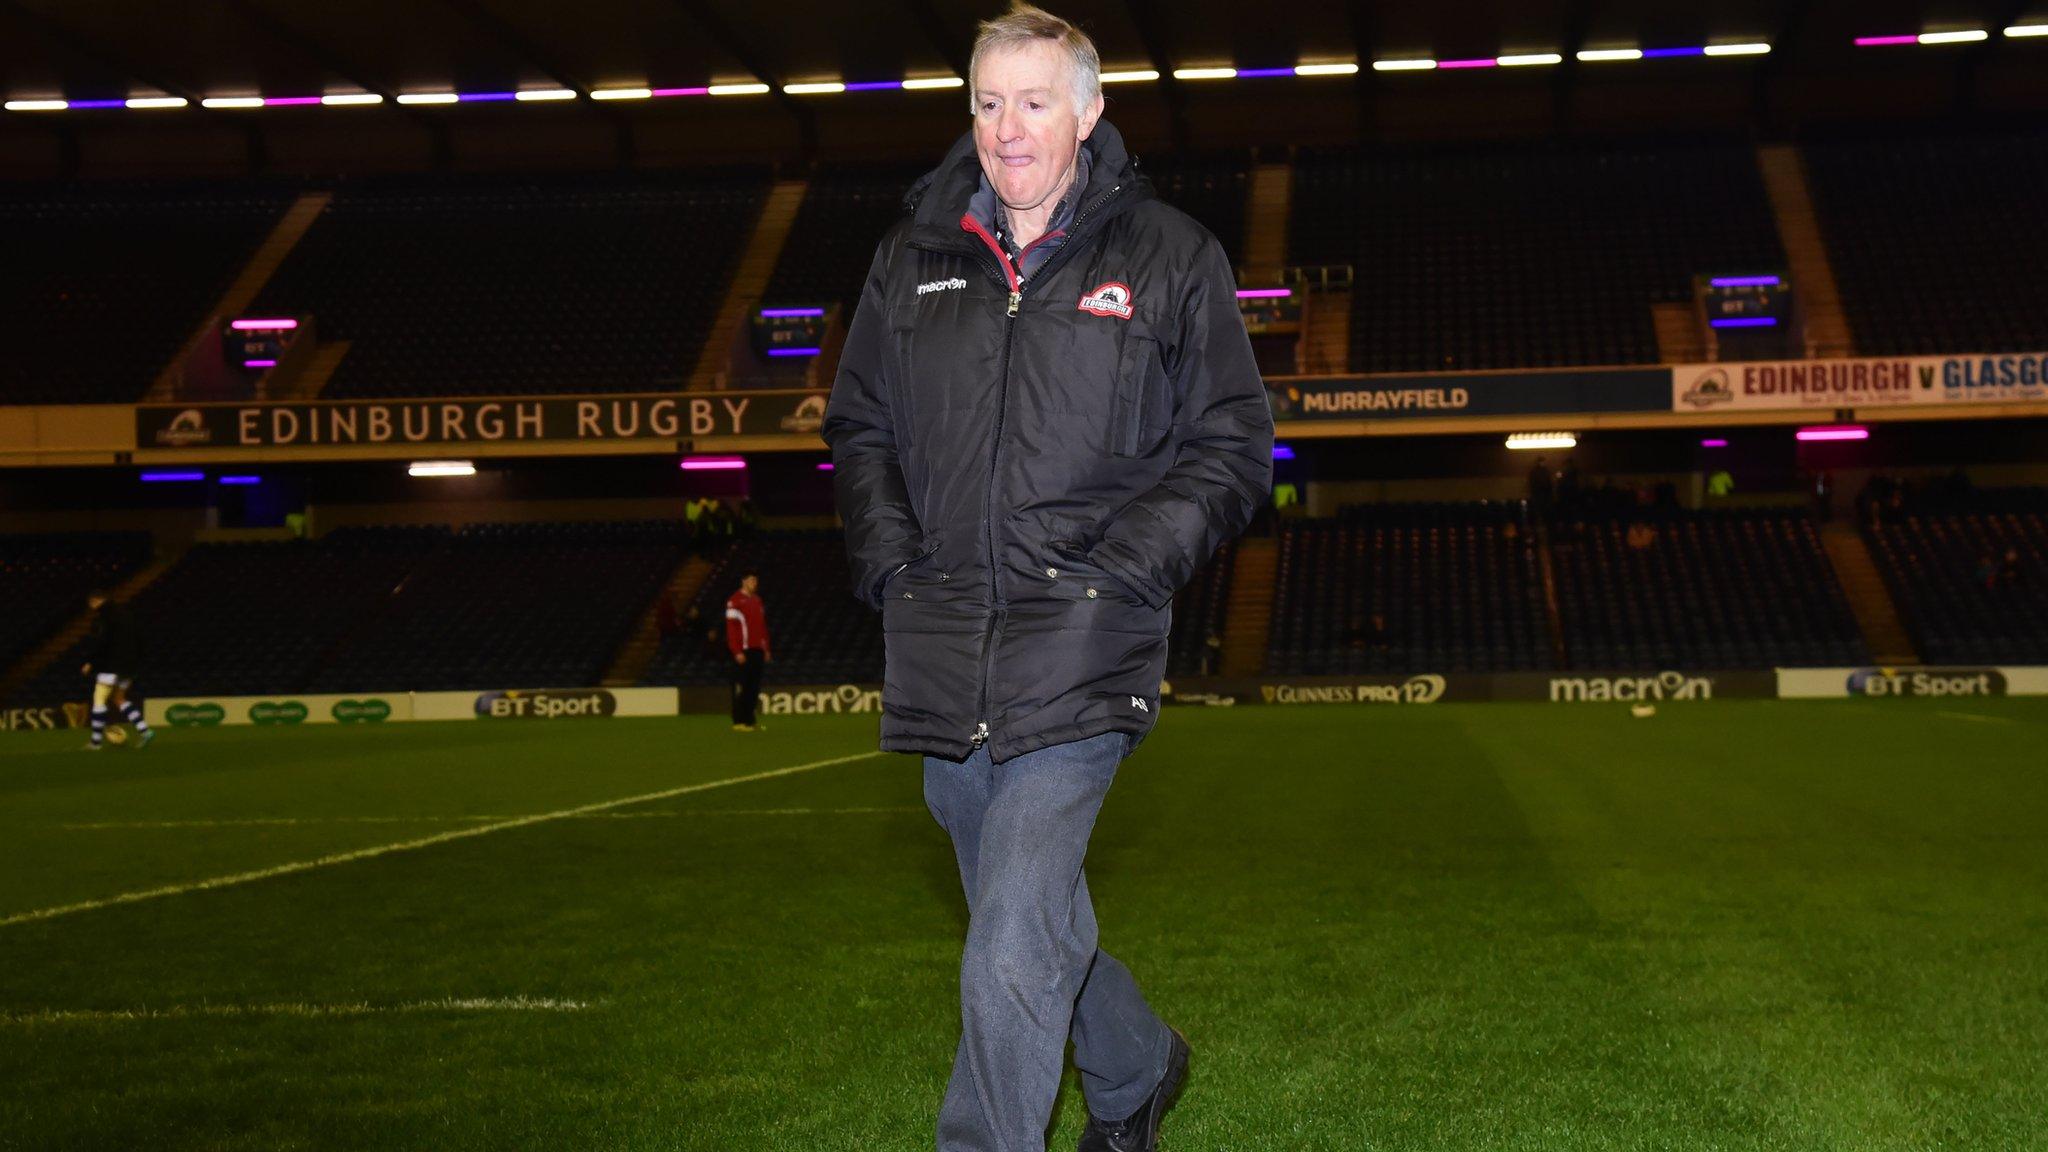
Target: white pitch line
{"x":423,"y":842}
{"x":293,"y":821}
{"x":1981,"y":719}
{"x":308,"y":1011}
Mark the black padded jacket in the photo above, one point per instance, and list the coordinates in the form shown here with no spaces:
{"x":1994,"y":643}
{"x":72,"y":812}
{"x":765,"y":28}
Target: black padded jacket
{"x":1028,"y":471}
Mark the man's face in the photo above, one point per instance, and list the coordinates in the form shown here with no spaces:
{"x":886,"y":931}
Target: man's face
{"x":750,"y":585}
{"x":1026,"y":127}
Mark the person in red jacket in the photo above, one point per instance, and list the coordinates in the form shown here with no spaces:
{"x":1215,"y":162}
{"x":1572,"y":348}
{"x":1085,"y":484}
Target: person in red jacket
{"x":746,"y":634}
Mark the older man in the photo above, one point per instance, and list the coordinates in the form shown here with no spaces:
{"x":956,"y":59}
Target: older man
{"x":1046,"y":417}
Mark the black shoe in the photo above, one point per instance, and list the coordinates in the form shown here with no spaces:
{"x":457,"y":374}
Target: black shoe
{"x":1140,"y":1132}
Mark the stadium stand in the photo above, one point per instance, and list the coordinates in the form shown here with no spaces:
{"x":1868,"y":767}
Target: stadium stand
{"x":1969,"y":579}
{"x":533,"y":605}
{"x":1510,"y":257}
{"x":817,"y":634}
{"x":1456,"y":586}
{"x":1937,"y":241}
{"x":104,"y":283}
{"x":458,"y":286}
{"x":252,"y":618}
{"x":1212,"y":189}
{"x":1700,"y":591}
{"x":844,"y":213}
{"x":1198,"y":613}
{"x":44,"y":580}
{"x":846,"y":210}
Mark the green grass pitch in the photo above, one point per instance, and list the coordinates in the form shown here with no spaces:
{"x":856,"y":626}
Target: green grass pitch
{"x":1732,"y":926}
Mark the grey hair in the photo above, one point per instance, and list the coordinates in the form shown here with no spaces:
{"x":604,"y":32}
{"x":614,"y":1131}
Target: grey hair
{"x":1023,"y":24}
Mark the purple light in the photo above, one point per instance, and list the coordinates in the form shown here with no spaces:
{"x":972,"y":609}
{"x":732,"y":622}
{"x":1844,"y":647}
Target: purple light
{"x":1842,"y":432}
{"x":714,"y":463}
{"x":825,"y":467}
{"x":1662,"y":53}
{"x":259,"y":363}
{"x":1257,"y":73}
{"x":680,"y":92}
{"x":1745,"y":322}
{"x":874,"y":85}
{"x":1713,"y":443}
{"x":1264,"y":293}
{"x":1488,"y":62}
{"x":172,"y":477}
{"x":284,"y":101}
{"x":1744,"y":281}
{"x":264,"y":325}
{"x":241,"y":479}
{"x":1283,"y":452}
{"x":788,"y":313}
{"x":793,"y":351}
{"x":77,"y":104}
{"x":1884,"y":41}
{"x":485,"y":97}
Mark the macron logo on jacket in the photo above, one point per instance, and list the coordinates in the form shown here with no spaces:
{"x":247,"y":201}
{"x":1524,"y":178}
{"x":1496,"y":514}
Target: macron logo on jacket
{"x":940,"y":285}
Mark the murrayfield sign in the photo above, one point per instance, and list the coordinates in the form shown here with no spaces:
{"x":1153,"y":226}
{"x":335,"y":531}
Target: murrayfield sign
{"x":1471,"y":394}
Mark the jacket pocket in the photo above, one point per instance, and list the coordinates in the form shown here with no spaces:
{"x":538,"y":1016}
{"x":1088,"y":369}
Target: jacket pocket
{"x":1072,"y":575}
{"x":1143,"y":414}
{"x":911,"y":566}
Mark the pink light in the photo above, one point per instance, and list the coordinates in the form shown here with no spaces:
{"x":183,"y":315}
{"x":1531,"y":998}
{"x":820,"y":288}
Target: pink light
{"x":1884,"y":41}
{"x":714,"y":463}
{"x":288,"y":101}
{"x":825,"y":467}
{"x":680,"y":92}
{"x":1713,"y":443}
{"x":1488,"y":62}
{"x":1847,"y":432}
{"x":259,"y":363}
{"x":264,"y":325}
{"x":1264,"y":293}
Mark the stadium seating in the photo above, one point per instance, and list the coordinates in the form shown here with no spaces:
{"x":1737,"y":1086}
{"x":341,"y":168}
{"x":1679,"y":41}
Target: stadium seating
{"x":1212,"y":189}
{"x":519,"y":285}
{"x":252,"y":618}
{"x":1523,"y":257}
{"x":1456,"y":584}
{"x":1946,"y":568}
{"x":44,"y":580}
{"x":510,"y":606}
{"x":1708,"y":591}
{"x":1937,"y":241}
{"x":844,"y":213}
{"x":817,"y":633}
{"x":846,"y":210}
{"x":102,"y":284}
{"x":1198,"y":611}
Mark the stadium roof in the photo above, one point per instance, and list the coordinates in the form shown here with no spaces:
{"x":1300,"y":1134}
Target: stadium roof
{"x":109,"y":54}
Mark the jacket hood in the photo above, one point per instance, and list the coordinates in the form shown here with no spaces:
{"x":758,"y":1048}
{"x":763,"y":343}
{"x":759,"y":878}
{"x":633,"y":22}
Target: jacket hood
{"x":940,"y":197}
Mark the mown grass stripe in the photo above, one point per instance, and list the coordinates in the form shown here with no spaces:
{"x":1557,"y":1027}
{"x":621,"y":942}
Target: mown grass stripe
{"x":414,"y":845}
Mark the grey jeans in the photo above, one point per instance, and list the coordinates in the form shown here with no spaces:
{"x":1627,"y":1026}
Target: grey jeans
{"x":1031,"y":974}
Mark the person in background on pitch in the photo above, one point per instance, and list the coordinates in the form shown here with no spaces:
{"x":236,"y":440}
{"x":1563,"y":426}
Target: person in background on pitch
{"x":1046,"y":418}
{"x":746,"y":635}
{"x":113,"y":657}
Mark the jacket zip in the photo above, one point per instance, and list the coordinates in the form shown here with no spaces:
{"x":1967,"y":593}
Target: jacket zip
{"x":968,"y":223}
{"x":979,"y":736}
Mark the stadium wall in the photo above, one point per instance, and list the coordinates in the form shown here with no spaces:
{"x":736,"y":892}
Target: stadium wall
{"x":1631,"y":688}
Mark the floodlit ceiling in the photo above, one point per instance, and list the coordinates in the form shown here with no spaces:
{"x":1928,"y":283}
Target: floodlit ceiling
{"x":110,"y":52}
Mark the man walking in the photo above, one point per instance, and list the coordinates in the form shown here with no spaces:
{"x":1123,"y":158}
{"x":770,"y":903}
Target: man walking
{"x":746,"y":636}
{"x":113,"y":658}
{"x":1047,"y":416}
